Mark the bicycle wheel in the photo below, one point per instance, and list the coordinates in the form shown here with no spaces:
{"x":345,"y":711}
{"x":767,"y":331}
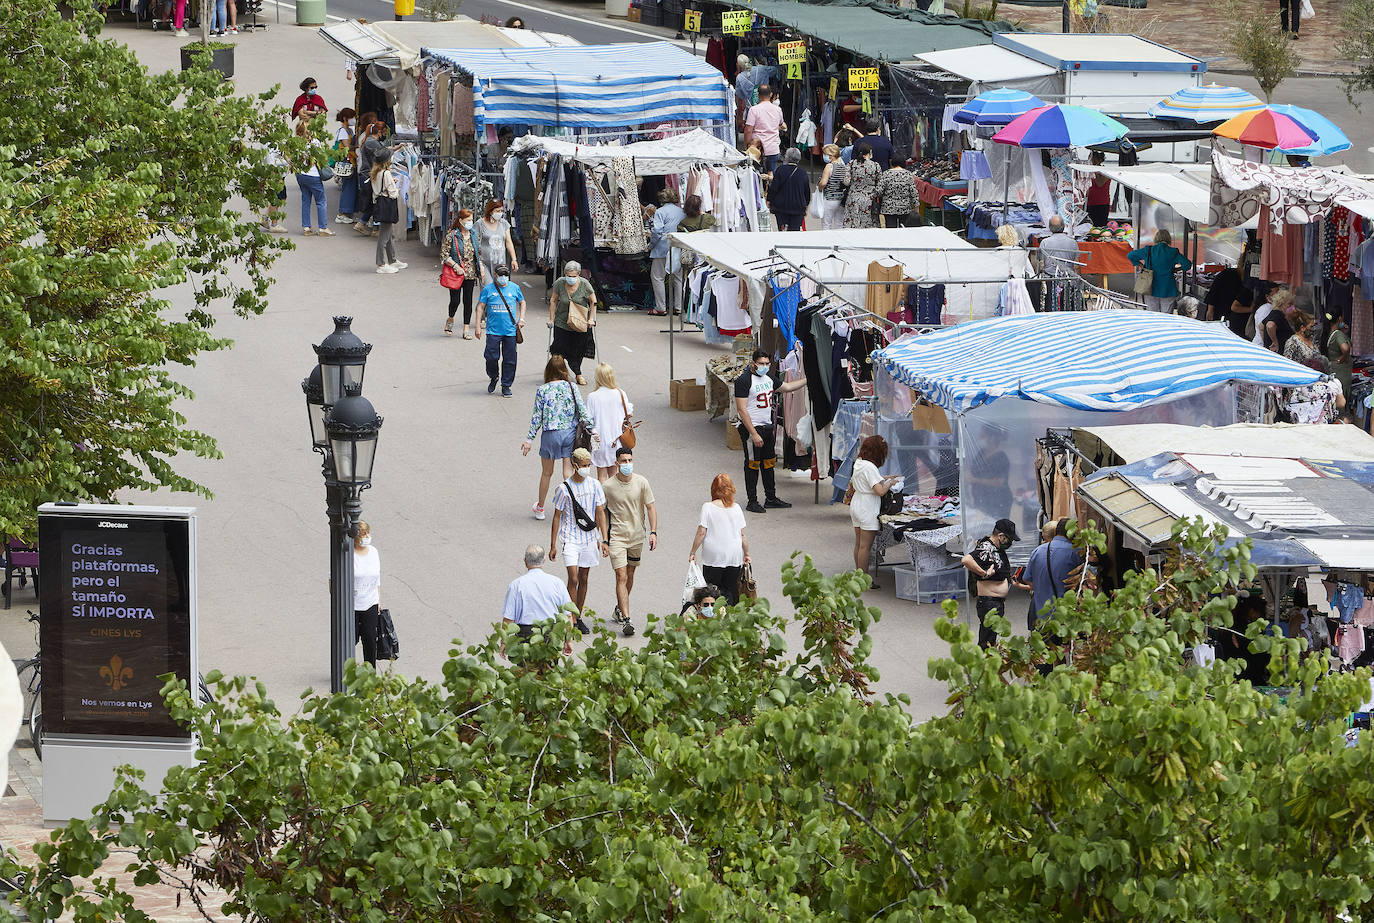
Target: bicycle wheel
{"x":28,"y":671}
{"x":36,"y":722}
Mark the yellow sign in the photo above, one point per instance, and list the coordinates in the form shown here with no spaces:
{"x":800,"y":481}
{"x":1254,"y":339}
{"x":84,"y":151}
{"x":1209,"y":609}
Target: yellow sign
{"x":691,"y":21}
{"x":794,"y":71}
{"x":863,"y":78}
{"x":867,"y":104}
{"x":834,"y":87}
{"x":736,"y":22}
{"x":791,"y":52}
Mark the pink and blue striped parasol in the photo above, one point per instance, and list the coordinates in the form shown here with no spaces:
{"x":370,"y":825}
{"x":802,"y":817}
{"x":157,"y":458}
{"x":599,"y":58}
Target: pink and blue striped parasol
{"x":1061,"y":125}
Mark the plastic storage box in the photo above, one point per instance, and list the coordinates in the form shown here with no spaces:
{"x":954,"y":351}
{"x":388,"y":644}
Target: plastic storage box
{"x":930,"y":586}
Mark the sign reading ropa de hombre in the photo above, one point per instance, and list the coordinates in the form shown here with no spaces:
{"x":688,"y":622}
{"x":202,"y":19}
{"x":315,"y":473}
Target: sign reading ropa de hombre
{"x":117,"y":601}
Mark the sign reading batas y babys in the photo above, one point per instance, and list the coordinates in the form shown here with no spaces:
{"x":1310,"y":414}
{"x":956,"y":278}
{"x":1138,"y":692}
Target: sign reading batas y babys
{"x":736,"y":22}
{"x":117,"y":601}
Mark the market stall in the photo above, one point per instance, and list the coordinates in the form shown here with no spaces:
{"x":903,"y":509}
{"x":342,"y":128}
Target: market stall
{"x":1072,"y":369}
{"x":1306,"y":511}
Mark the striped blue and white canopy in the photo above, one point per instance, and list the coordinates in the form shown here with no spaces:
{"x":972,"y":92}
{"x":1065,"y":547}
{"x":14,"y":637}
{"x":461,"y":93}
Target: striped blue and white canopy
{"x":590,"y":86}
{"x":1091,"y":360}
{"x":1205,"y":105}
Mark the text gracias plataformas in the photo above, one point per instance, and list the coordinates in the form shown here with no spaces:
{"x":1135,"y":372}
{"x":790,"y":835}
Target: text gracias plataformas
{"x":107,"y":588}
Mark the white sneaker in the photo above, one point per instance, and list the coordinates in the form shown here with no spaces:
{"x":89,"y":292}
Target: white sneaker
{"x":233,"y":30}
{"x":307,"y":232}
{"x":324,"y":232}
{"x":538,"y":511}
{"x":399,"y":265}
{"x":277,"y":228}
{"x":342,"y":219}
{"x":182,"y":33}
{"x":389,"y":267}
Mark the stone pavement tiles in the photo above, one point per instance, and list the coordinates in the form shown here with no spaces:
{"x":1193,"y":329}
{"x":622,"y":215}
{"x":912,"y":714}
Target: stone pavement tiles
{"x":1198,"y":29}
{"x":21,"y":826}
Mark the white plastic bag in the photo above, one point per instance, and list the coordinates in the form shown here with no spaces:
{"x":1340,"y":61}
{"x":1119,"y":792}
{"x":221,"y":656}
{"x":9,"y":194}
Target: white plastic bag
{"x":1307,"y":11}
{"x":805,"y":433}
{"x":814,"y":208}
{"x":694,"y":580}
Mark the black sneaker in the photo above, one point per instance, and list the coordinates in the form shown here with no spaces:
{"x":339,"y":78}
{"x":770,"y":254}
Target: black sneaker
{"x":755,"y":506}
{"x":773,"y":503}
{"x":582,"y":626}
{"x":506,"y":392}
{"x":491,"y":386}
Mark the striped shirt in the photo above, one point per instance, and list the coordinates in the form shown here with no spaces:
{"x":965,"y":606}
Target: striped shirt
{"x":589,"y":496}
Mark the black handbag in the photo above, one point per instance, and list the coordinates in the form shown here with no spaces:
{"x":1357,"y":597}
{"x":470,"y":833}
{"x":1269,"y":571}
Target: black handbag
{"x":582,"y":434}
{"x":387,"y":210}
{"x":388,"y":645}
{"x":589,"y":347}
{"x":584,"y":520}
{"x":891,"y":503}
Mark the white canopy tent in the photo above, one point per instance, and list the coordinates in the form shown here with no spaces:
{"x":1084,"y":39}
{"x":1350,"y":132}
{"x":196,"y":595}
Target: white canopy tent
{"x":675,"y":154}
{"x":988,"y":66}
{"x":927,"y":255}
{"x":1137,"y":442}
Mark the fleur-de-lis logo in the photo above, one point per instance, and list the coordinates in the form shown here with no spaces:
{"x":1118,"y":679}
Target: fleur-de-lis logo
{"x":117,"y":674}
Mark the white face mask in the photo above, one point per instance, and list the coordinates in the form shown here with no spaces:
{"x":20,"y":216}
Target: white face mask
{"x":707,"y":609}
{"x":503,"y":278}
{"x":627,"y":469}
{"x":585,"y":472}
{"x":365,"y":540}
{"x":497,"y":216}
{"x":825,"y":157}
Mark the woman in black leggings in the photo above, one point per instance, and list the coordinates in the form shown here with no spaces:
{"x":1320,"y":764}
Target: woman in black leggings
{"x":1290,"y":16}
{"x":461,"y":254}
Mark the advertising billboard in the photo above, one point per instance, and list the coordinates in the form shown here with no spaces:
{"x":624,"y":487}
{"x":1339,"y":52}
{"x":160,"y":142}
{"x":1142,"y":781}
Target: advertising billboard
{"x":117,"y":608}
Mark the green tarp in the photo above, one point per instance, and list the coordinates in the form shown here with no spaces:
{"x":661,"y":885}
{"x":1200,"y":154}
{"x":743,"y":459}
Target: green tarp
{"x":875,"y":29}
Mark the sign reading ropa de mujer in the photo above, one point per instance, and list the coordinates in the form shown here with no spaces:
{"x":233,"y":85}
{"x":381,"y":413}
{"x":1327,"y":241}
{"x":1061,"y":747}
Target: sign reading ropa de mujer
{"x":117,"y":600}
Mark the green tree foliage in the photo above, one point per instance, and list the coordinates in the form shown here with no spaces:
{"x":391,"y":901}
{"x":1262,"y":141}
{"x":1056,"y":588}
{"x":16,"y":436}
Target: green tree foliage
{"x":1255,"y":39}
{"x":117,"y":184}
{"x":1356,"y":45}
{"x":709,"y":776}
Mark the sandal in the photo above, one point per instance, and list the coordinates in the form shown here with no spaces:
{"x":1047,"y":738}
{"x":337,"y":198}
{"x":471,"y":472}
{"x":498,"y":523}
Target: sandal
{"x":466,"y":335}
{"x":448,"y":327}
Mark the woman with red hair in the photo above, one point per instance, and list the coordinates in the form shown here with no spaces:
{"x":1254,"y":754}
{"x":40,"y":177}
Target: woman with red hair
{"x":868,"y":486}
{"x":720,"y":538}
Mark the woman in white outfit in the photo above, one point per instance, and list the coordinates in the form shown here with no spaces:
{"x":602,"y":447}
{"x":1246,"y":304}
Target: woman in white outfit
{"x":608,"y":407}
{"x":868,"y":486}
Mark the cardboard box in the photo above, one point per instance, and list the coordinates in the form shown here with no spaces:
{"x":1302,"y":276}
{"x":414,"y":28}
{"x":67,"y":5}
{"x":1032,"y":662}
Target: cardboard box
{"x":732,"y":440}
{"x":687,"y":394}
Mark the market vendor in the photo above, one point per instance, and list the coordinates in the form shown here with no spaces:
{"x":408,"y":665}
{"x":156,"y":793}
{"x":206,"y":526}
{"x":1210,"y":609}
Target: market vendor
{"x":1099,"y":194}
{"x":1060,"y":249}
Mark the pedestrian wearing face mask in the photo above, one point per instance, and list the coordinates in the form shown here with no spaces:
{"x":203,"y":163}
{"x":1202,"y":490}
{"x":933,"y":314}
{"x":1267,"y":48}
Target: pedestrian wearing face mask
{"x":572,"y":314}
{"x":310,"y":101}
{"x":756,"y":406}
{"x":367,"y":587}
{"x":461,"y":256}
{"x":578,"y":530}
{"x":703,"y":602}
{"x":629,"y":504}
{"x":501,"y":313}
{"x":495,"y":246}
{"x":609,"y":408}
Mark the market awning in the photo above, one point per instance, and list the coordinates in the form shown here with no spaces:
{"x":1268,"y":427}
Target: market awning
{"x":1138,"y":441}
{"x":874,"y":29}
{"x":1186,"y":188}
{"x":400,"y":42}
{"x":936,"y":255}
{"x":1297,"y":512}
{"x":591,"y":86}
{"x":1293,"y":195}
{"x":675,"y":154}
{"x":1094,"y":360}
{"x":987,"y":64}
{"x":1090,"y":51}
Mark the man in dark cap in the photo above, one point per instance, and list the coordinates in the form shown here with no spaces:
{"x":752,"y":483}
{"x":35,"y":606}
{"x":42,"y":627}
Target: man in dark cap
{"x":988,"y":565}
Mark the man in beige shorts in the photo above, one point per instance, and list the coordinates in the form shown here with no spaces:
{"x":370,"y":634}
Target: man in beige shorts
{"x":629,"y":501}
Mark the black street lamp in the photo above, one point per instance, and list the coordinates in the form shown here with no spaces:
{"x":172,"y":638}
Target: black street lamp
{"x":343,"y":429}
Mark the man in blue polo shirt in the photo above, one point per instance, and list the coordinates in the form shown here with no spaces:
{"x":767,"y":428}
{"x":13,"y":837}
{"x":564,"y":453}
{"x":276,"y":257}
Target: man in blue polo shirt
{"x":501,"y":310}
{"x":1049,"y":566}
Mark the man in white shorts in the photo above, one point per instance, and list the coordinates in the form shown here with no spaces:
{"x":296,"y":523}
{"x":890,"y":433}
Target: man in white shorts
{"x":578,"y":529}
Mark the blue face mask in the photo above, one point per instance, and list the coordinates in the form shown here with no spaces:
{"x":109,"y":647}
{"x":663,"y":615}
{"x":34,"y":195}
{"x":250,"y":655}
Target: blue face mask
{"x":627,"y":469}
{"x":707,"y":610}
{"x":761,"y":371}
